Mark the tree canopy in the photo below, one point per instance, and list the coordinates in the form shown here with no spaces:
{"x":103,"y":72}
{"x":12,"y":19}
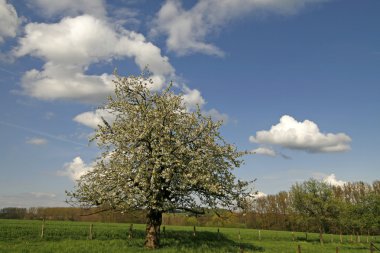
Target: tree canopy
{"x":314,"y":200}
{"x":159,"y":156}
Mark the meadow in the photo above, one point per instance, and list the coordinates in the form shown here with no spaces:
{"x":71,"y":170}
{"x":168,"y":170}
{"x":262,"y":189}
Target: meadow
{"x":65,"y":236}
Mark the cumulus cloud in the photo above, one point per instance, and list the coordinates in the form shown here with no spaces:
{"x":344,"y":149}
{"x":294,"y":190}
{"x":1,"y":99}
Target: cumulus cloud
{"x":93,"y":119}
{"x":264,"y":151}
{"x":306,"y":136}
{"x":331,"y":180}
{"x":37,"y":141}
{"x":71,"y":46}
{"x":187,"y":30}
{"x":216,"y":115}
{"x":70,"y":7}
{"x":8,"y":20}
{"x":192,"y":98}
{"x":75,"y":169}
{"x":66,"y":83}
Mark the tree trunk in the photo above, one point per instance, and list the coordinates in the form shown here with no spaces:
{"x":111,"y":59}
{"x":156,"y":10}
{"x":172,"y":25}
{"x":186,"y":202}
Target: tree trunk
{"x":321,"y":235}
{"x":153,"y":223}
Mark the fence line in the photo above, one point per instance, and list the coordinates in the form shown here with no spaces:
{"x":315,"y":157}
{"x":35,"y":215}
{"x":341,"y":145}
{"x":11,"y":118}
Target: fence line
{"x":46,"y":230}
{"x":372,"y":247}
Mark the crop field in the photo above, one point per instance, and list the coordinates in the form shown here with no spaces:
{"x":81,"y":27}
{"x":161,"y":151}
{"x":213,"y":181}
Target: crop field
{"x":62,"y":236}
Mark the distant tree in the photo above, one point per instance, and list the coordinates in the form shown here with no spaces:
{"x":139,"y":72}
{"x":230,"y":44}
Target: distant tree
{"x":315,"y":201}
{"x":159,"y":157}
{"x":365,"y":215}
{"x":13,"y":213}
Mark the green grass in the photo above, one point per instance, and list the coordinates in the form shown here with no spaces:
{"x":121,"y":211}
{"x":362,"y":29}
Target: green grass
{"x":25,"y":236}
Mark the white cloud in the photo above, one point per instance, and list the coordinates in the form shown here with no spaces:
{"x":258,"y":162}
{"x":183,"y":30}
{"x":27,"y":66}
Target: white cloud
{"x":264,"y":151}
{"x":331,"y":180}
{"x":188,"y":29}
{"x":192,"y":98}
{"x":70,"y":7}
{"x":305,"y":136}
{"x":73,"y":41}
{"x":67,"y":83}
{"x":37,"y":141}
{"x":8,"y":20}
{"x":75,"y":169}
{"x":93,"y":119}
{"x":216,"y":115}
{"x":71,"y":46}
{"x":257,"y":195}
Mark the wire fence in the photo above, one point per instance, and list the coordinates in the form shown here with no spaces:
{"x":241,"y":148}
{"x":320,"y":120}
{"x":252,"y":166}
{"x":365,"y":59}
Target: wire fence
{"x":65,"y":230}
{"x":56,"y":231}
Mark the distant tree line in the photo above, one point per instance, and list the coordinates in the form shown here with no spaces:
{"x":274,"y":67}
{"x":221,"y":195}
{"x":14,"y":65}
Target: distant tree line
{"x":315,"y":206}
{"x":70,"y":214}
{"x":311,"y":206}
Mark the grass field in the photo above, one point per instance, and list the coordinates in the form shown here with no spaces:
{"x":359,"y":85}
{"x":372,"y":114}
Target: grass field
{"x":25,"y":236}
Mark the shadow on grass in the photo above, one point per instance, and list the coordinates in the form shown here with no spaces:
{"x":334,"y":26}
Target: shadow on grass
{"x":186,"y":239}
{"x":311,"y":240}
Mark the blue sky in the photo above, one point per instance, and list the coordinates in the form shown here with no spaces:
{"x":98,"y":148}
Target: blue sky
{"x":295,"y":81}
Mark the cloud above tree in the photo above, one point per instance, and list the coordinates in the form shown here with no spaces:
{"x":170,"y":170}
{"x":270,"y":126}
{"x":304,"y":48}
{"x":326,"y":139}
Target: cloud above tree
{"x":75,"y":169}
{"x":71,"y":46}
{"x":332,"y":180}
{"x":94,"y":119}
{"x":187,"y":30}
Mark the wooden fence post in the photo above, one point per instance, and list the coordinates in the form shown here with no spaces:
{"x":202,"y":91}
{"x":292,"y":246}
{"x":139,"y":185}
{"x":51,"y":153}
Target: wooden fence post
{"x":371,"y":248}
{"x":194,"y":231}
{"x":299,"y":248}
{"x":43,"y":228}
{"x":259,"y":235}
{"x":367,"y":236}
{"x":292,"y":235}
{"x":130,"y":236}
{"x":163,"y":230}
{"x":240,"y":245}
{"x":90,"y":232}
{"x":337,"y":250}
{"x":218,"y":234}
